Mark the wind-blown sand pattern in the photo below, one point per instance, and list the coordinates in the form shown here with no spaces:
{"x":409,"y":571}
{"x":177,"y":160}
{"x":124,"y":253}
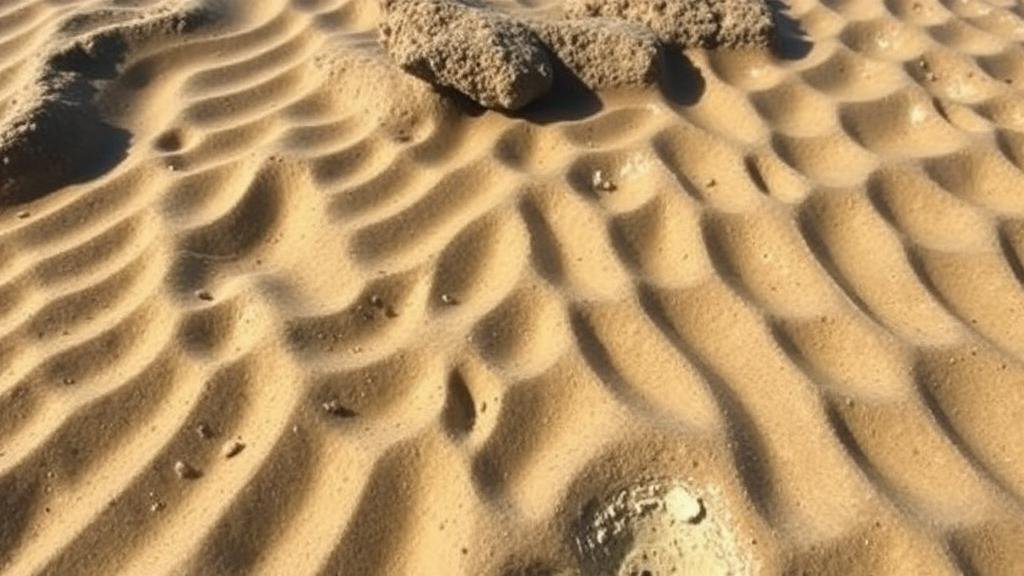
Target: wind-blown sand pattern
{"x":768,"y":318}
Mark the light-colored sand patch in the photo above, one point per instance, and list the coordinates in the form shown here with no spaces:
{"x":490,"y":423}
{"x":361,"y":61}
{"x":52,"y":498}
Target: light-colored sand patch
{"x":658,"y":528}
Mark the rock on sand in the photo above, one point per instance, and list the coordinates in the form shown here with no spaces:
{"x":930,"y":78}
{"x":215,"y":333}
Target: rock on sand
{"x":603,"y":52}
{"x":688,"y":23}
{"x":490,"y":57}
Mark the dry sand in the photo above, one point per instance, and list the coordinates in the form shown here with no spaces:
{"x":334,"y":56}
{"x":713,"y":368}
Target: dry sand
{"x":270,"y":305}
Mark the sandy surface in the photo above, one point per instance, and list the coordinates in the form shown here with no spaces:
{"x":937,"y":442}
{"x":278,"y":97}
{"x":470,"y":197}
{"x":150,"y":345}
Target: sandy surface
{"x":270,"y":305}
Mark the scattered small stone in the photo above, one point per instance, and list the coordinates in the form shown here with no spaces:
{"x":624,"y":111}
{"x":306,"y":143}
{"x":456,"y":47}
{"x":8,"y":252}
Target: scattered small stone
{"x":204,"y":295}
{"x":391,"y":312}
{"x":601,"y":183}
{"x":186,"y":471}
{"x":157,"y":506}
{"x":377,"y":301}
{"x":712,"y":183}
{"x":449,"y":299}
{"x":24,"y":214}
{"x":68,"y":381}
{"x":233,"y":448}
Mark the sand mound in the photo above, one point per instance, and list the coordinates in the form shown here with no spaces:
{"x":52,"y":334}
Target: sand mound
{"x":321,"y":318}
{"x":53,"y":133}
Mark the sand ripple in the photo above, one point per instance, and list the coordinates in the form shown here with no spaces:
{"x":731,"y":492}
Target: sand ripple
{"x":783,"y":297}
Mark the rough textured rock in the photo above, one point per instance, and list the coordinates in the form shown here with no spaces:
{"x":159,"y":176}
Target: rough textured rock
{"x":688,"y":23}
{"x":488,"y":56}
{"x":603,"y":52}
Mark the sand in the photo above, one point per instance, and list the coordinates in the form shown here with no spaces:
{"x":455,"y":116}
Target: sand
{"x":270,"y":305}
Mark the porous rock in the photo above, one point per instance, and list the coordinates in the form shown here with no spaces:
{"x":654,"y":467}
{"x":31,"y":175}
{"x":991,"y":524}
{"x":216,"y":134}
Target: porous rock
{"x":603,"y":52}
{"x":490,"y":57}
{"x":688,"y":23}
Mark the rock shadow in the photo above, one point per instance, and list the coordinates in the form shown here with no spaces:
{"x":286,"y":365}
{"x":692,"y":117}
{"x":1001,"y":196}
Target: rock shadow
{"x":681,"y":83}
{"x":791,"y":40}
{"x":569,"y":99}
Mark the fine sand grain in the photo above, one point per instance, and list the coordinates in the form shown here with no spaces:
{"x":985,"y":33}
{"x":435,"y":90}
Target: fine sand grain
{"x":270,"y":304}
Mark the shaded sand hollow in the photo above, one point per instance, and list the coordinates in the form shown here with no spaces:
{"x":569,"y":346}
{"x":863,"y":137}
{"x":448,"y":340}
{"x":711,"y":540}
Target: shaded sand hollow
{"x":268,"y":305}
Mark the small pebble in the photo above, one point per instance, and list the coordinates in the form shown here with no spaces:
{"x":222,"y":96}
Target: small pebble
{"x":377,"y":301}
{"x":449,"y":299}
{"x":391,"y":312}
{"x":204,"y":431}
{"x":156,"y":506}
{"x":335,"y":408}
{"x":186,"y":471}
{"x":233,"y":448}
{"x":204,"y":295}
{"x":601,"y":183}
{"x":24,"y":214}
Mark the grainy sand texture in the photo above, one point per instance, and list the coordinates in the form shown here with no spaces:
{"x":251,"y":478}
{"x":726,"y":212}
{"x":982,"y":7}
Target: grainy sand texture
{"x":751,"y":303}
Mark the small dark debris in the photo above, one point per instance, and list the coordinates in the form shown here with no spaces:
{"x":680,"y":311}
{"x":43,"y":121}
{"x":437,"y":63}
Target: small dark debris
{"x":233,"y":448}
{"x":204,"y":295}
